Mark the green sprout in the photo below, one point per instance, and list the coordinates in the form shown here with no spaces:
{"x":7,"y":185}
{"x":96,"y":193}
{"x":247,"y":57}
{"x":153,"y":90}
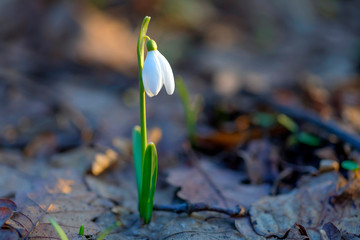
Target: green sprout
{"x":154,"y":72}
{"x":58,"y":229}
{"x":351,"y":166}
{"x":297,"y":135}
{"x":263,"y":119}
{"x":81,"y":230}
{"x":288,"y":123}
{"x":191,"y":108}
{"x":63,"y":236}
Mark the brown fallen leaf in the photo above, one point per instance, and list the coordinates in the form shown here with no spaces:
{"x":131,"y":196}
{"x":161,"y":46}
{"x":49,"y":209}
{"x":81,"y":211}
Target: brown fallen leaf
{"x":5,"y":213}
{"x":8,"y":235}
{"x":296,"y":232}
{"x":318,"y":200}
{"x":243,"y":225}
{"x":211,"y":184}
{"x":330,"y":231}
{"x":84,"y":159}
{"x":7,"y":207}
{"x":62,"y":197}
{"x":8,"y":203}
{"x":120,"y":188}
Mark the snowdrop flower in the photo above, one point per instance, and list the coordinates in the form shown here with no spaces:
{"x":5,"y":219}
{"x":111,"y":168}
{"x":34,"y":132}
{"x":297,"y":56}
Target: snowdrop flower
{"x":156,"y":72}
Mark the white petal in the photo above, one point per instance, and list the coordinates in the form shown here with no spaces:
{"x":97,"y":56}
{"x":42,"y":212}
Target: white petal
{"x":152,"y":77}
{"x":167,"y":73}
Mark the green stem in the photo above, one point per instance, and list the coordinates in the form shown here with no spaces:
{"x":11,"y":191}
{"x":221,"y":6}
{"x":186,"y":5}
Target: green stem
{"x":140,"y":54}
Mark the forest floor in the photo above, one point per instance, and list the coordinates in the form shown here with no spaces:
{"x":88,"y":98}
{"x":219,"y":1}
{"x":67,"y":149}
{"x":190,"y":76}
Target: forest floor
{"x":269,"y":158}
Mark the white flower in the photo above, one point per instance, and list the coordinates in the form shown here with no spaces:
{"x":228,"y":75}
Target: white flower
{"x":156,"y":72}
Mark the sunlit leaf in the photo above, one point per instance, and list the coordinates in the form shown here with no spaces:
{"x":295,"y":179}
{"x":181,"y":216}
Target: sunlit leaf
{"x":309,"y":139}
{"x":138,"y":163}
{"x":58,"y":229}
{"x":288,"y":123}
{"x":264,"y":119}
{"x":350,"y":165}
{"x":149,"y":182}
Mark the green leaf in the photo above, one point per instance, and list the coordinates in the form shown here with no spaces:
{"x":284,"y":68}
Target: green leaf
{"x":149,"y":182}
{"x":81,"y":230}
{"x":264,"y":119}
{"x":288,"y":123}
{"x":58,"y":229}
{"x":350,"y":165}
{"x":138,"y":162}
{"x":309,"y":139}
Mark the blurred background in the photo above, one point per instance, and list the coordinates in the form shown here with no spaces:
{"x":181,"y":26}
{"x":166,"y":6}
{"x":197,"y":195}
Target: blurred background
{"x":68,"y":69}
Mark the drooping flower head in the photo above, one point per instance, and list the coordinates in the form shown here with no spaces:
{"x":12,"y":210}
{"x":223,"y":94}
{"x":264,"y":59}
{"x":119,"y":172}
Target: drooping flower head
{"x":156,"y":72}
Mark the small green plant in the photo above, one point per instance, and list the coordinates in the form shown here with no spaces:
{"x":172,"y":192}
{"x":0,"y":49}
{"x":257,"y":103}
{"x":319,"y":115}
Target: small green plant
{"x":191,"y":108}
{"x":63,"y":236}
{"x":351,"y":166}
{"x":58,"y":229}
{"x":297,"y":135}
{"x":265,"y":120}
{"x":81,"y":230}
{"x":154,"y":72}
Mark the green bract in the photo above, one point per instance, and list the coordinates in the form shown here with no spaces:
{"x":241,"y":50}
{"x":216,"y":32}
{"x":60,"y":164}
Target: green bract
{"x":151,"y":45}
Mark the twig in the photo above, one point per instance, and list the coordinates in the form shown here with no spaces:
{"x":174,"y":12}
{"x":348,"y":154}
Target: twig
{"x":189,"y":208}
{"x":305,"y":115}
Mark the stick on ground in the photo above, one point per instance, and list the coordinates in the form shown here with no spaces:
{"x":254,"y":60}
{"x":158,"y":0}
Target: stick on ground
{"x":189,"y":208}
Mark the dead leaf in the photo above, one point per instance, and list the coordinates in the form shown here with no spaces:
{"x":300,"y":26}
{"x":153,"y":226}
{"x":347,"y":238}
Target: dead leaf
{"x":331,"y":231}
{"x":7,"y":207}
{"x":62,"y":197}
{"x":8,"y":204}
{"x":211,"y":184}
{"x":296,"y":232}
{"x":120,"y":188}
{"x":243,"y":225}
{"x":8,"y":235}
{"x":84,"y":158}
{"x":5,"y":213}
{"x":319,"y":200}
